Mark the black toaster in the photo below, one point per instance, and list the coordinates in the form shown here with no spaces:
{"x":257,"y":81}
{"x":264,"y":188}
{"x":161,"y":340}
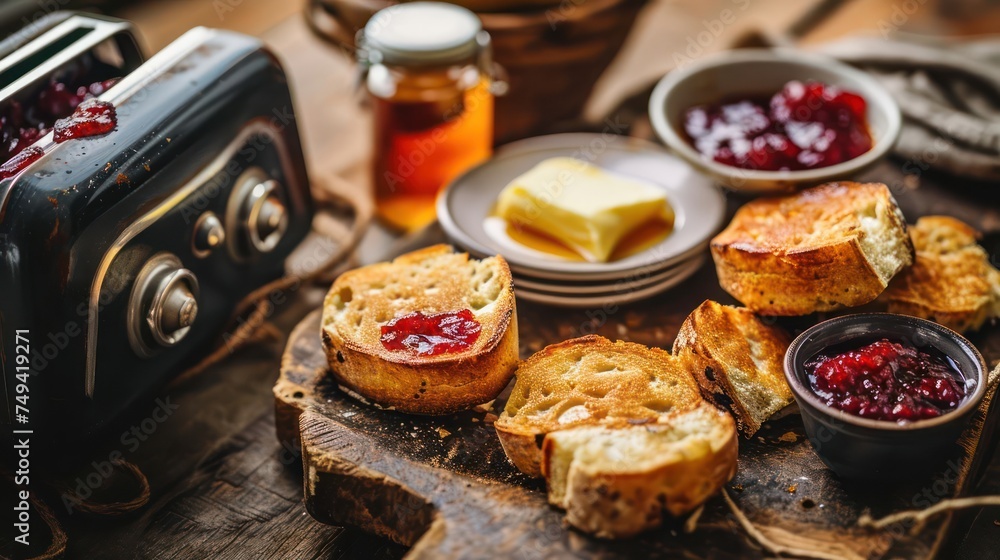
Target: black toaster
{"x":123,"y":255}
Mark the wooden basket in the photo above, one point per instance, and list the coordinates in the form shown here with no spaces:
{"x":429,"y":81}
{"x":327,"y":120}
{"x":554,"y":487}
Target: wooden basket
{"x":552,"y":51}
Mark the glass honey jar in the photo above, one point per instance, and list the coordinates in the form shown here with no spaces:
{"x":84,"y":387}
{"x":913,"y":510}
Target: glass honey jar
{"x":428,"y":77}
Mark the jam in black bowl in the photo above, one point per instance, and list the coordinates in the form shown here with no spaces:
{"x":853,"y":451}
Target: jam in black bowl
{"x":884,"y":395}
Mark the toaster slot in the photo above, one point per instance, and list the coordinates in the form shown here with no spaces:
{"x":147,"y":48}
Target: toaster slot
{"x":44,"y":80}
{"x":47,"y":54}
{"x":18,"y":69}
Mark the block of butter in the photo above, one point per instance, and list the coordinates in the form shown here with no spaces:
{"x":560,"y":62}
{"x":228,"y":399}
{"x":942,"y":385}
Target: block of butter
{"x":580,"y":205}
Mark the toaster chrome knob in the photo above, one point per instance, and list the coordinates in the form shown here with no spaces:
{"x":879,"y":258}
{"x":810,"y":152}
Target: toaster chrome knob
{"x":177,"y":312}
{"x":208,"y":234}
{"x":174,"y":306}
{"x":267,"y":217}
{"x":163,"y":305}
{"x":256,"y":213}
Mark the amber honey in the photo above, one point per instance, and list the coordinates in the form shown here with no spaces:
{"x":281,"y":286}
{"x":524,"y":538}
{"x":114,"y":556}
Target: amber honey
{"x":429,"y":131}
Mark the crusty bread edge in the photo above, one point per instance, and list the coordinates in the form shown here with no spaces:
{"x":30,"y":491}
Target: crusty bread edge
{"x":781,"y":291}
{"x":594,"y":519}
{"x":591,"y":519}
{"x":958,"y":321}
{"x":690,"y":348}
{"x":718,"y":391}
{"x":524,"y":447}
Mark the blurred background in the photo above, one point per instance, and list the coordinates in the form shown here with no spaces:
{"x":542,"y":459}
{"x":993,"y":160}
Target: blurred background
{"x":571,"y":65}
{"x":567,"y":60}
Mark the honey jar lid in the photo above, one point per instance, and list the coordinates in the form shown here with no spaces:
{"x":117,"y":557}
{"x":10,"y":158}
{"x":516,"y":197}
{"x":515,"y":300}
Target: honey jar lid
{"x":422,"y":33}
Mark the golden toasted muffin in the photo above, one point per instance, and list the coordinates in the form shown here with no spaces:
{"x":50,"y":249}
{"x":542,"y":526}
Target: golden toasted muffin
{"x":737,"y":361}
{"x":952,"y":281}
{"x":620,"y":433}
{"x":430,"y":281}
{"x":832,"y":246}
{"x":589,"y":381}
{"x":617,"y":481}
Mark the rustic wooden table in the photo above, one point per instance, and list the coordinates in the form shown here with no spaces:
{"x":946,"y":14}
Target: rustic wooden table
{"x":222,"y":486}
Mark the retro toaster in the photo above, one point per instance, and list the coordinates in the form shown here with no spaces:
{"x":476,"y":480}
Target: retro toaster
{"x":123,"y":255}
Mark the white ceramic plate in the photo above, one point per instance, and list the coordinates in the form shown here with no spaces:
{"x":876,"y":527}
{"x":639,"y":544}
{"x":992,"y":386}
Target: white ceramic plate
{"x":612,"y":298}
{"x":570,"y":278}
{"x":699,"y":206}
{"x":632,"y":282}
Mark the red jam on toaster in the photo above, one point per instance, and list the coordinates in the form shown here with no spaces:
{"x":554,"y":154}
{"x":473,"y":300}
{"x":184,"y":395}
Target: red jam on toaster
{"x":887,"y":381}
{"x":92,"y":117}
{"x":430,"y":335}
{"x":803,"y":126}
{"x":21,"y":125}
{"x":23,"y":159}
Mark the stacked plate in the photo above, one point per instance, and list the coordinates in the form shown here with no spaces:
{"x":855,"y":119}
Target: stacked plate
{"x":465,"y":212}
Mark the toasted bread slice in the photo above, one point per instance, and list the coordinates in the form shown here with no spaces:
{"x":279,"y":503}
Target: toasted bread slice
{"x":831,"y":246}
{"x":617,"y":481}
{"x":589,"y":381}
{"x":952,"y":281}
{"x":431,"y":280}
{"x":737,"y":361}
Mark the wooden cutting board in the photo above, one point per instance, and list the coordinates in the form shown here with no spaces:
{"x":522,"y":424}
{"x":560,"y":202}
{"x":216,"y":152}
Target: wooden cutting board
{"x":443,"y":486}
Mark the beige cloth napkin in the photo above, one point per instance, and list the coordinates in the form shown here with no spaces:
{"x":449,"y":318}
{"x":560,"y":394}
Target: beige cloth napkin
{"x":949,"y":94}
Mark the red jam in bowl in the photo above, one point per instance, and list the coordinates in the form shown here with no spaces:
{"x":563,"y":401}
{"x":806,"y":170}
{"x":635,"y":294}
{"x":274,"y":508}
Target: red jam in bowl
{"x":803,"y":126}
{"x":887,"y":381}
{"x":430,"y":335}
{"x":93,"y":117}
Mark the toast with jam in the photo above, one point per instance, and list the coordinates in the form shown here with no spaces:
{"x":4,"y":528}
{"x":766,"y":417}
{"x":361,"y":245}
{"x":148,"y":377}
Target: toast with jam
{"x":431,"y":332}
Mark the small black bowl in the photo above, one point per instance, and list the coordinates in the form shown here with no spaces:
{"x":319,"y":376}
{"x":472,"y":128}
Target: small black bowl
{"x":861,"y":448}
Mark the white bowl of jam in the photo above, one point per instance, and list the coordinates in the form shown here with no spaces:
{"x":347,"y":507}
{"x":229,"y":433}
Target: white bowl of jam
{"x":884,"y":395}
{"x":767,"y":121}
